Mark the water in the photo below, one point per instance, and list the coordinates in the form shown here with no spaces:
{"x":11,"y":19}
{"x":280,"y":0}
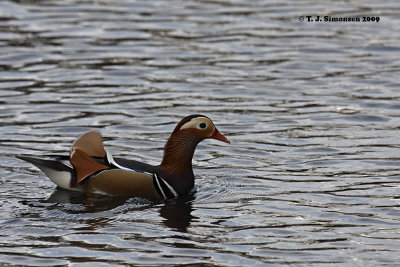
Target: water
{"x":312,"y":109}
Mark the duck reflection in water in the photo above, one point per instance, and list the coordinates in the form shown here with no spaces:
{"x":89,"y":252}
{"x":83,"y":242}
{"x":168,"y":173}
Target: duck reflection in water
{"x":178,"y":212}
{"x":175,"y":212}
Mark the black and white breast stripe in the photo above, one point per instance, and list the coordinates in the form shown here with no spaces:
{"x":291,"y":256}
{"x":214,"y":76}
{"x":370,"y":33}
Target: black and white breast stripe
{"x":164,"y":189}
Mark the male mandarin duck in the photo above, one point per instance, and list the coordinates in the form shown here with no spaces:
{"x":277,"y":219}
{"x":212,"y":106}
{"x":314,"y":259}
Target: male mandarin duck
{"x":91,"y":168}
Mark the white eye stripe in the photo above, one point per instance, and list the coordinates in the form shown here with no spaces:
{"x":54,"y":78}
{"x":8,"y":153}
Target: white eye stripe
{"x":195,"y":123}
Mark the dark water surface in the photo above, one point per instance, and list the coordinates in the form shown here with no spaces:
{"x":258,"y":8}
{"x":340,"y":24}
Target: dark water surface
{"x":312,"y":109}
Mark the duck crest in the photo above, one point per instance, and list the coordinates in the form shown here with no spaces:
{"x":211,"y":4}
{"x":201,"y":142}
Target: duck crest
{"x":187,"y":119}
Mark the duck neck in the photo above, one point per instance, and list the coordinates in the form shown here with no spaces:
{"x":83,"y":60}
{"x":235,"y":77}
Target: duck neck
{"x":178,"y":153}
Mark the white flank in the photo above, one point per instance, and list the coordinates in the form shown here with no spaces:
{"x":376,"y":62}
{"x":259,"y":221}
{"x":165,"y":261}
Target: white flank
{"x":60,"y":178}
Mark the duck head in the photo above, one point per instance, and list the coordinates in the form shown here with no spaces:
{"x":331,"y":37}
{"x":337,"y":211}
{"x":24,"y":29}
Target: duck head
{"x":180,"y":147}
{"x":198,"y":128}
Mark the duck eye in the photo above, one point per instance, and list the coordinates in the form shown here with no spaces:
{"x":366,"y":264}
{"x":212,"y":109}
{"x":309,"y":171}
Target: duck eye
{"x":202,"y":125}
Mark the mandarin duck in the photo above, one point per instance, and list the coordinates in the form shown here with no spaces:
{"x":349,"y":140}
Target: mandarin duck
{"x":91,"y":168}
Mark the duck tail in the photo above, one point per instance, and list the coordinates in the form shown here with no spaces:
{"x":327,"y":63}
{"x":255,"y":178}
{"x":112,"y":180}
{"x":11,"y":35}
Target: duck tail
{"x":60,"y":173}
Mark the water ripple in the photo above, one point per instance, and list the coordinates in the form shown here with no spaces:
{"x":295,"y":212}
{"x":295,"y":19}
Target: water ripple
{"x":310,"y":179}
